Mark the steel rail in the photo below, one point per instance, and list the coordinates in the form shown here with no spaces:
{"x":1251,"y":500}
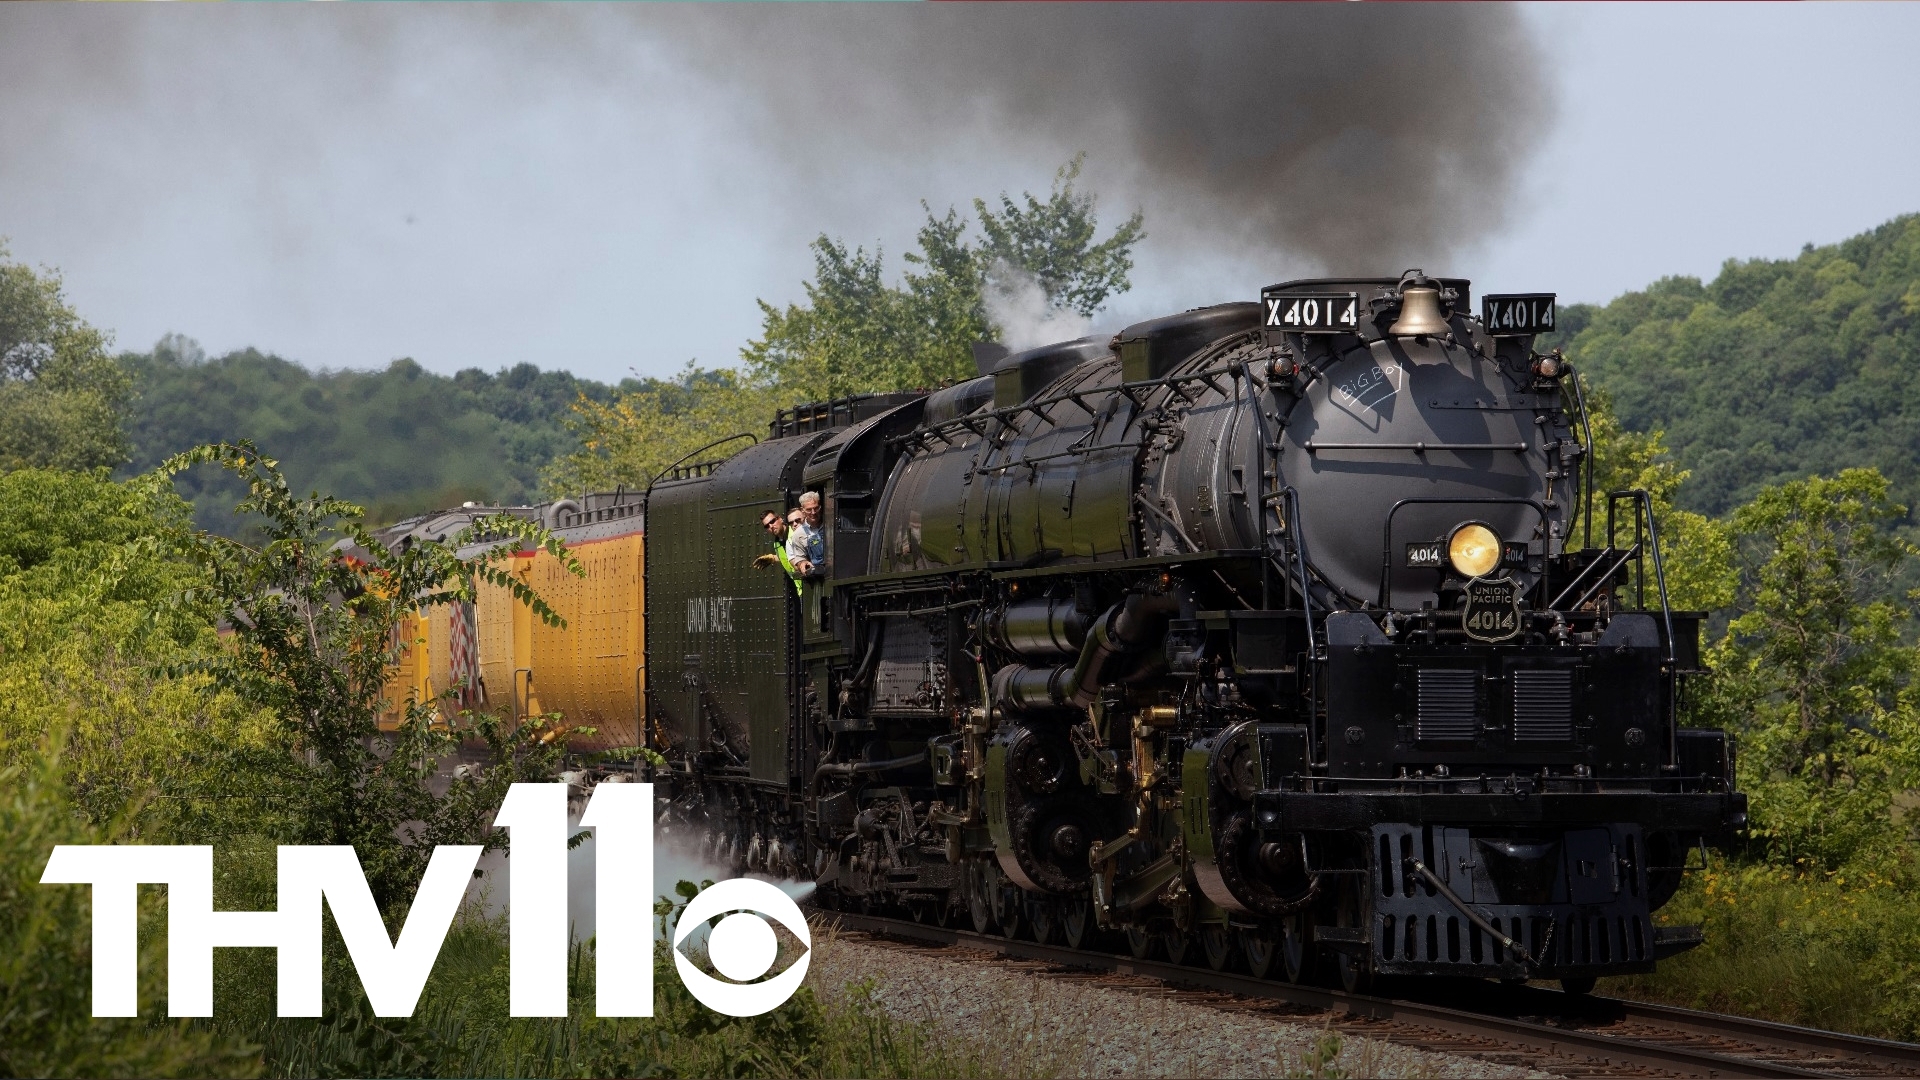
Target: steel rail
{"x":1883,"y":1055}
{"x":1568,"y":1043}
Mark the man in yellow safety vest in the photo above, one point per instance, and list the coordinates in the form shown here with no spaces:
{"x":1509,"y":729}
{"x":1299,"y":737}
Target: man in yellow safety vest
{"x":776,"y":525}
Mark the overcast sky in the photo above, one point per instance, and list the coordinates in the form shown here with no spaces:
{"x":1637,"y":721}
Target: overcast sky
{"x":609,"y":192}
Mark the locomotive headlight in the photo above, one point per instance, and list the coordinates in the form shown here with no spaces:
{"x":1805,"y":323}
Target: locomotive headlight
{"x":1474,"y":550}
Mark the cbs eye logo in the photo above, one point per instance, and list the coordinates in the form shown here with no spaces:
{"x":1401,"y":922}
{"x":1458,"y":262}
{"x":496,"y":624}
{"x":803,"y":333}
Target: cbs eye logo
{"x":741,"y":946}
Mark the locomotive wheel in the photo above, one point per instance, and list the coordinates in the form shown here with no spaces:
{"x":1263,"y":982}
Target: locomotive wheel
{"x":1076,"y":921}
{"x":944,"y":912}
{"x":1580,"y":985}
{"x":1355,"y":973}
{"x":979,"y":896}
{"x":1297,"y":954}
{"x":1011,"y":913}
{"x":1260,"y":947}
{"x":1043,"y":914}
{"x":1140,"y":941}
{"x":1217,"y":942}
{"x":1177,"y":944}
{"x":1008,"y":903}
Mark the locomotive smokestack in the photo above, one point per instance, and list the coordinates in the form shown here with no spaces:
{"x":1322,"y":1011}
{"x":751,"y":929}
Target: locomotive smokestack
{"x":1420,"y":312}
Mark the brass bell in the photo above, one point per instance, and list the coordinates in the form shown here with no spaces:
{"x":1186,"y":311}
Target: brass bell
{"x":1419,"y":309}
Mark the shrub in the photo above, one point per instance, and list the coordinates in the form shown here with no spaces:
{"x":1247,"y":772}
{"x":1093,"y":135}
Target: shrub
{"x":1836,"y":949}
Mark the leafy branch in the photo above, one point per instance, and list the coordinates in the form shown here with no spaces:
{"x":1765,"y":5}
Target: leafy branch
{"x":311,"y":613}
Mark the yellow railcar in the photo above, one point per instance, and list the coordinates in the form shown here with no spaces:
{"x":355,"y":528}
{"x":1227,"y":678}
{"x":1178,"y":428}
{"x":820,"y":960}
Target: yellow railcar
{"x":496,"y":656}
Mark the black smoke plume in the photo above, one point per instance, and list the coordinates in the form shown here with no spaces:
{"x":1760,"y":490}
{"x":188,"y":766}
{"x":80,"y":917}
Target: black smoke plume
{"x":284,"y":151}
{"x":1356,"y":136}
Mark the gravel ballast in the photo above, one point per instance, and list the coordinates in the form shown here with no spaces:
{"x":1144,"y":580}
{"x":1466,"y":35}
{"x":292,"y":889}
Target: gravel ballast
{"x":1025,"y":1023}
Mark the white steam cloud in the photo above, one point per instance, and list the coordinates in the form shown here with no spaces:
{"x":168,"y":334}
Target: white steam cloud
{"x":1022,"y":315}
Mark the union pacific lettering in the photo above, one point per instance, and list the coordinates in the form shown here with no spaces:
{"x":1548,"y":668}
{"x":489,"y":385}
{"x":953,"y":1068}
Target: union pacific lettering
{"x":710,"y":614}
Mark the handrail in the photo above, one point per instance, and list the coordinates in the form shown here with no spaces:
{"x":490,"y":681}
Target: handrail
{"x":513,"y":693}
{"x":1620,"y":559}
{"x":1296,"y":543}
{"x":1644,"y":513}
{"x":683,"y":458}
{"x":1243,"y":391}
{"x":1586,"y":428}
{"x":1313,"y":446}
{"x":639,"y":709}
{"x":1386,"y":537}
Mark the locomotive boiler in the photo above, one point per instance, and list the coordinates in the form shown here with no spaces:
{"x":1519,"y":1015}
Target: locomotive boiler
{"x":1288,"y":635}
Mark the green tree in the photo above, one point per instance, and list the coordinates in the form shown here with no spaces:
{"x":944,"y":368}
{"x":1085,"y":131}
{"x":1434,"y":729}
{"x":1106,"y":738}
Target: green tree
{"x":312,"y":644}
{"x":1775,"y":369}
{"x":399,"y":441}
{"x":1814,"y":674}
{"x":1053,"y":241}
{"x":97,"y":746}
{"x":632,"y":438}
{"x":62,"y":398}
{"x":859,"y":333}
{"x":856,"y":333}
{"x":1697,"y":550}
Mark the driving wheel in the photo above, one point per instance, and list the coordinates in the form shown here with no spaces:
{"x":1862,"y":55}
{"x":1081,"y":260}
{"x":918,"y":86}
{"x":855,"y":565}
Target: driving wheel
{"x":1297,"y":954}
{"x":1260,"y":947}
{"x":1177,"y":944}
{"x":1043,"y":915}
{"x":1216,"y":941}
{"x":1009,"y":903}
{"x":979,"y":896}
{"x":1354,"y":969}
{"x":1076,"y":921}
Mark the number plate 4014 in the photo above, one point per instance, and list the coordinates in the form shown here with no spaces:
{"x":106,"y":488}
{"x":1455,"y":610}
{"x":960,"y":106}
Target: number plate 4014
{"x":1517,"y":314}
{"x":1312,"y":313}
{"x":1492,"y":610}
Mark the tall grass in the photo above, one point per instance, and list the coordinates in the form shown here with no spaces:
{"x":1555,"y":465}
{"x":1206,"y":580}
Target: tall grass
{"x":1838,"y":950}
{"x":46,"y":1022}
{"x":462,"y":1028}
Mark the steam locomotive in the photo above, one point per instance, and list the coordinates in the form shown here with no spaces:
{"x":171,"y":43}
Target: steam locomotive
{"x":1290,"y":636}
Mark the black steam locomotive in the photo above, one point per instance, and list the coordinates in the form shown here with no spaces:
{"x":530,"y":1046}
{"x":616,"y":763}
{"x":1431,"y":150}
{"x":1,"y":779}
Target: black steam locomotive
{"x":1287,"y":634}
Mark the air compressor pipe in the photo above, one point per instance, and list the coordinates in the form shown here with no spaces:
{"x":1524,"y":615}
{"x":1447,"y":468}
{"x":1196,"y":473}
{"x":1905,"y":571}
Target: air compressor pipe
{"x":1473,"y":916}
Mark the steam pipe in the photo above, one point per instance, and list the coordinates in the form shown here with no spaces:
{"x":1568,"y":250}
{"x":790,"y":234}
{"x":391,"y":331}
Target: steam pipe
{"x":849,"y":768}
{"x":1126,"y":627}
{"x":863,"y":675}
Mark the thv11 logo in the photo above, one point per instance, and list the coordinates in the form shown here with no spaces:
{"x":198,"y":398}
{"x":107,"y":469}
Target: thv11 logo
{"x":742,"y":946}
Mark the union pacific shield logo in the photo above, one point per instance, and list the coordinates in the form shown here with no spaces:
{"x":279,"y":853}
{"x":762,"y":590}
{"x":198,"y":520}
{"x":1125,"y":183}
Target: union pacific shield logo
{"x":1492,"y":612}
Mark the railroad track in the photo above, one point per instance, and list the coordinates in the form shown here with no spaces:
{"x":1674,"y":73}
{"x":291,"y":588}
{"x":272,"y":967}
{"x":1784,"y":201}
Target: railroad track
{"x":1554,"y":1032}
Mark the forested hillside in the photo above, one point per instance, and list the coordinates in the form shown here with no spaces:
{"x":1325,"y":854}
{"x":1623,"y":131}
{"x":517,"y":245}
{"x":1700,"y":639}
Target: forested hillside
{"x":1776,"y":369}
{"x":397,"y":441}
